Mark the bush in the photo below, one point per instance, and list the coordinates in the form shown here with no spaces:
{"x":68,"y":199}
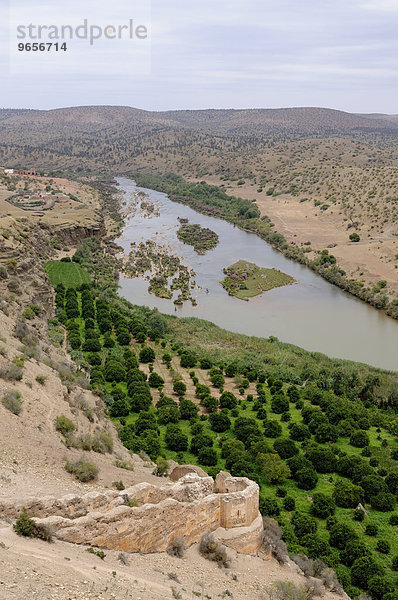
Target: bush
{"x":272,"y":542}
{"x":383,"y":546}
{"x":155,"y":380}
{"x":363,"y":570}
{"x":12,"y":401}
{"x":27,"y":527}
{"x":228,"y":400}
{"x":269,"y":507}
{"x":83,"y":470}
{"x":64,"y":425}
{"x":11,"y":372}
{"x":379,"y":587}
{"x":394,"y":563}
{"x":147,"y":354}
{"x":359,"y":439}
{"x":340,"y":534}
{"x":188,"y":409}
{"x":347,"y":495}
{"x":208,"y":457}
{"x":175,"y":439}
{"x":384,"y":502}
{"x":213,"y":550}
{"x":162,"y":469}
{"x":371,"y":530}
{"x":177,"y":547}
{"x":303,"y":524}
{"x":354,"y":549}
{"x":179,"y":387}
{"x":285,"y":448}
{"x":306,"y":478}
{"x":322,"y":505}
{"x":289,"y":503}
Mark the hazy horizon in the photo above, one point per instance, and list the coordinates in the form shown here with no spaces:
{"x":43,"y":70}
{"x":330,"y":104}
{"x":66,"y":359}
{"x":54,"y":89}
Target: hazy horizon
{"x":231,"y":53}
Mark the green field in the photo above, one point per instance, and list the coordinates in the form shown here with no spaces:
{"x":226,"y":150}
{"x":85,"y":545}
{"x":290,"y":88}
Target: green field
{"x":245,"y":280}
{"x":69,"y":274}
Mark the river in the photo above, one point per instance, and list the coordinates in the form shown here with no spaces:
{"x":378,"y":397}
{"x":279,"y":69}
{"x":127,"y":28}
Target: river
{"x":311,"y":313}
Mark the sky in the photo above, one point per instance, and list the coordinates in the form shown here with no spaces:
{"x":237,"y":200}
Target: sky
{"x":339,"y":54}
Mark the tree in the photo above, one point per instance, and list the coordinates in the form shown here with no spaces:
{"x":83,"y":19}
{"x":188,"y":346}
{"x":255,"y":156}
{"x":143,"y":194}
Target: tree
{"x":363,"y":570}
{"x":210,"y":403}
{"x":219,"y":422}
{"x":202,"y":440}
{"x":354,"y":549}
{"x":372,"y":485}
{"x":228,"y":400}
{"x":359,"y":439}
{"x":383,"y":501}
{"x":379,"y":586}
{"x":155,"y":380}
{"x":306,"y":478}
{"x":168,"y":414}
{"x":179,"y":388}
{"x":114,"y":371}
{"x":123,"y":336}
{"x":326,"y":433}
{"x":272,"y":468}
{"x":299,"y":432}
{"x":354,"y":237}
{"x":175,"y":439}
{"x":347,"y":495}
{"x":92,"y":345}
{"x":272,"y":429}
{"x":188,"y":409}
{"x":285,"y":448}
{"x":120,"y":408}
{"x":322,"y":505}
{"x":188,"y":360}
{"x":147,"y":354}
{"x":208,"y":457}
{"x":279,"y":403}
{"x":217,"y":379}
{"x":340,"y":534}
{"x":323,"y":459}
{"x":303,"y":524}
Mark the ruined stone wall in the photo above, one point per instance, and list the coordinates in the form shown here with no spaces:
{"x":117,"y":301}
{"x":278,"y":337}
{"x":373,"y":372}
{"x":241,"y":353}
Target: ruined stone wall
{"x":188,"y":508}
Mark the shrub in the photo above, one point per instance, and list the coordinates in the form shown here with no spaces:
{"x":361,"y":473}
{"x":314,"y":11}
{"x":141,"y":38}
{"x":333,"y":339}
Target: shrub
{"x":394,"y":563}
{"x":179,"y":387}
{"x":12,"y":401}
{"x":269,"y":507}
{"x":155,"y":380}
{"x":303,"y":524}
{"x":322,"y":505}
{"x":27,"y":527}
{"x":384,"y":502}
{"x":208,"y":457}
{"x":340,"y":534}
{"x":359,"y":439}
{"x":177,"y":547}
{"x":353,"y":550}
{"x":271,"y":540}
{"x":175,"y":438}
{"x":272,"y":468}
{"x":228,"y":400}
{"x":213,"y":550}
{"x":285,"y":448}
{"x":306,"y":478}
{"x":83,"y":470}
{"x":371,"y":530}
{"x":162,"y":467}
{"x":289,"y":503}
{"x":383,"y":546}
{"x":379,"y":587}
{"x":188,"y":409}
{"x":41,"y":379}
{"x":64,"y":425}
{"x":363,"y":570}
{"x":11,"y":372}
{"x":347,"y":495}
{"x":147,"y":354}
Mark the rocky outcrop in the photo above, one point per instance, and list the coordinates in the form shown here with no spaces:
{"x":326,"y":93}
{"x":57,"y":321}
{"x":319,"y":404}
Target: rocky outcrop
{"x":145,"y":518}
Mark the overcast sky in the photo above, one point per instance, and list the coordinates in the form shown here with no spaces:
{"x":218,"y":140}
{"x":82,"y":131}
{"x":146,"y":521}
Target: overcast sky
{"x":210,"y":54}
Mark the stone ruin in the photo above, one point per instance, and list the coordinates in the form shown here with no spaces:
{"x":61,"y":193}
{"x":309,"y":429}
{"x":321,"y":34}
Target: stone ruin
{"x":190,"y":507}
